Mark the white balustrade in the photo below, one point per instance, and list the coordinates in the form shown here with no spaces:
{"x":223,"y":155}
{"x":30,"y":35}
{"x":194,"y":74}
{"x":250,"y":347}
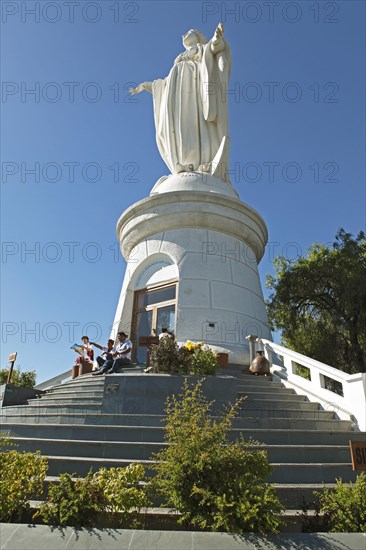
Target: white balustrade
{"x":335,"y":390}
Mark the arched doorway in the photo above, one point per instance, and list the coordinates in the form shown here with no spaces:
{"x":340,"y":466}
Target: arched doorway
{"x":154,"y":308}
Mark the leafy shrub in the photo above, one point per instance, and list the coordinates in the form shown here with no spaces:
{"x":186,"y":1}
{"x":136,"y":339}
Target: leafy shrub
{"x":345,"y":506}
{"x":74,"y":502}
{"x":5,"y":440}
{"x":168,"y":358}
{"x":78,"y":502}
{"x":120,"y":488}
{"x":204,"y":361}
{"x":26,"y":379}
{"x":216,"y":484}
{"x":21,"y":478}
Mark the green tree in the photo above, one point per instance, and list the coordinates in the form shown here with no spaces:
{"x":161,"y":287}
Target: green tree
{"x":319,"y":302}
{"x":26,"y":379}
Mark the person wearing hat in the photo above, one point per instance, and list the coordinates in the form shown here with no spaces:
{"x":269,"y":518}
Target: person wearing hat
{"x":121,"y":356}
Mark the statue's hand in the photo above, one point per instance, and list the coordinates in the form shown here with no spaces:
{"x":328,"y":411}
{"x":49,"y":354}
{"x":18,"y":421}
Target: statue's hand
{"x":219,"y":31}
{"x":143,"y":86}
{"x":137,"y":90}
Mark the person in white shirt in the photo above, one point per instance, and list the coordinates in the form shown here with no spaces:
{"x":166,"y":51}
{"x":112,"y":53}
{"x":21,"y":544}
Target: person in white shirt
{"x":107,"y":352}
{"x":164,"y":334}
{"x":121,"y":357}
{"x":83,"y":363}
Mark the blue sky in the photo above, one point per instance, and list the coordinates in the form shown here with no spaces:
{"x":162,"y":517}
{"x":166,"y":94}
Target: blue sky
{"x":297,"y":131}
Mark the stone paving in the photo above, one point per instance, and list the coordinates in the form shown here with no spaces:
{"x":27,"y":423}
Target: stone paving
{"x":41,"y":537}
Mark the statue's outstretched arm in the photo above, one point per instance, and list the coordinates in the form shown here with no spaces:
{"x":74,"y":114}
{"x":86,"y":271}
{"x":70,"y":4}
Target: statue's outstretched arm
{"x":143,"y":86}
{"x":217,"y":42}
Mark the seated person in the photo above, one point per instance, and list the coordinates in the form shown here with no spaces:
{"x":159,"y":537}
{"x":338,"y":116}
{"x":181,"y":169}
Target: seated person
{"x":164,"y":334}
{"x":107,"y":352}
{"x":121,"y":357}
{"x":85,"y":359}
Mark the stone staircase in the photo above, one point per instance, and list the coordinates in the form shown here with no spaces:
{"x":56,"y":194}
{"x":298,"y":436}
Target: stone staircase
{"x":76,"y":426}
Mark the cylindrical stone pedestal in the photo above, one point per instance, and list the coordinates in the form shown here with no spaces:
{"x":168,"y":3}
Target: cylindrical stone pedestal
{"x":193,"y":229}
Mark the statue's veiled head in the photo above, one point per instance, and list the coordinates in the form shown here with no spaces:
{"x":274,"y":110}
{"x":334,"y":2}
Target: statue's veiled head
{"x":193,"y":37}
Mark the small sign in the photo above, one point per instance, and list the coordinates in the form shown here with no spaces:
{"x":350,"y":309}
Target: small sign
{"x":358,"y":455}
{"x":12,"y":357}
{"x":112,"y":389}
{"x":148,"y":340}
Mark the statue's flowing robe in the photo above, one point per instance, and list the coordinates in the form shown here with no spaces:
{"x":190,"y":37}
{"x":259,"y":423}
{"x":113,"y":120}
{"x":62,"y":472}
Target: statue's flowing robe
{"x":190,"y":108}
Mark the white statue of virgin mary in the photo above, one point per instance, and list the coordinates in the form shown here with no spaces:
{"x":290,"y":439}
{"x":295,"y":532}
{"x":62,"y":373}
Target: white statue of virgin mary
{"x":190,"y":106}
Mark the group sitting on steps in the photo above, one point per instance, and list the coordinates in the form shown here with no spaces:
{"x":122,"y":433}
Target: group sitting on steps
{"x":110,"y":361}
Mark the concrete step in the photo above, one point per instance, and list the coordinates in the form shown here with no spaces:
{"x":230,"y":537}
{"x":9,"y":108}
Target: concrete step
{"x":143,"y":450}
{"x":246,"y":381}
{"x":283,"y":473}
{"x":298,"y":473}
{"x":156,"y":433}
{"x":80,"y":466}
{"x":81,"y":415}
{"x":279,"y":404}
{"x":250,"y":409}
{"x":294,"y":495}
{"x":91,"y":382}
{"x":249,"y":413}
{"x":265,"y":388}
{"x":70,"y":400}
{"x":290,"y":411}
{"x":129,"y":450}
{"x":62,"y":408}
{"x":75,"y":393}
{"x":284,"y":401}
{"x":283,"y":395}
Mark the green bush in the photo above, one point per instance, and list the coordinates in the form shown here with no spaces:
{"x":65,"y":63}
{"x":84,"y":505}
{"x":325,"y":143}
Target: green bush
{"x":74,"y":502}
{"x":168,"y":358}
{"x":5,"y":440}
{"x":26,"y":379}
{"x":216,"y":484}
{"x":345,"y":506}
{"x":120,"y":488}
{"x":21,"y":478}
{"x":204,"y":361}
{"x":79,"y":502}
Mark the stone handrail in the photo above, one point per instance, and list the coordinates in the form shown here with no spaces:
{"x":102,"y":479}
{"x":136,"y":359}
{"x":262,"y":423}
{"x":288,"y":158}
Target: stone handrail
{"x":59,"y":379}
{"x":335,"y":390}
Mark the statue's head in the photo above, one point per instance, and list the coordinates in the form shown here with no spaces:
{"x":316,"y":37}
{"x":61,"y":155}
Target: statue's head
{"x":193,"y":37}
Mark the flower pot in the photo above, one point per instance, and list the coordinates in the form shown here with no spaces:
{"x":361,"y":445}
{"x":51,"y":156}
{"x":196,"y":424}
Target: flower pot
{"x":223,"y":360}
